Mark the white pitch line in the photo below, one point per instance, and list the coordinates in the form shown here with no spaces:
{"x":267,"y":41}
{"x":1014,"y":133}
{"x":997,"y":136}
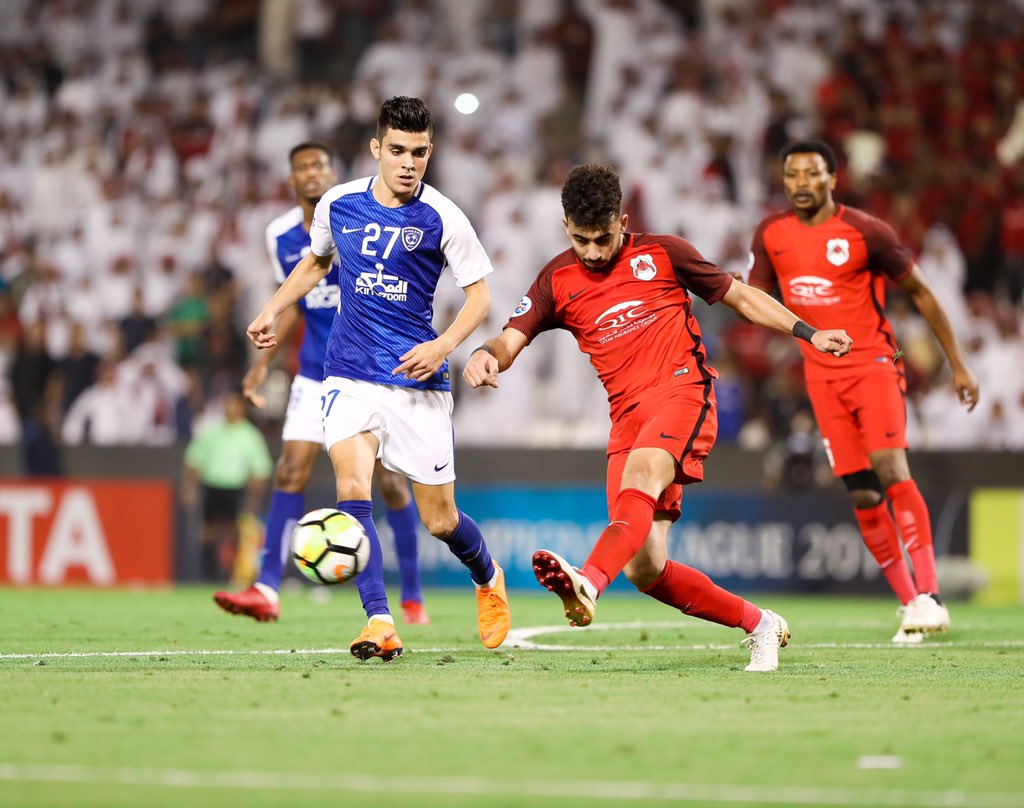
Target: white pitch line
{"x":620,"y":790}
{"x":520,"y":639}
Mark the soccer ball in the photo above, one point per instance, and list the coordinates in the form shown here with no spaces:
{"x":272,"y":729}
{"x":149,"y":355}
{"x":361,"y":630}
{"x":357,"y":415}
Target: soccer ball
{"x":330,"y":546}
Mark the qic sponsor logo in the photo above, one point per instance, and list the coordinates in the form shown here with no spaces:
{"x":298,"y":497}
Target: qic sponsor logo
{"x":377,"y":284}
{"x":623,"y":318}
{"x":810,"y":290}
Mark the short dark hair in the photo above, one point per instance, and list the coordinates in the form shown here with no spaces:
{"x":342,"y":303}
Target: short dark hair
{"x":591,"y":196}
{"x":812,"y":147}
{"x":307,"y":145}
{"x":406,"y":115}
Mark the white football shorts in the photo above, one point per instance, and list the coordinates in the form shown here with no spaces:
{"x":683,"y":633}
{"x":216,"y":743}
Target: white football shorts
{"x":304,"y":419}
{"x":414,"y":427}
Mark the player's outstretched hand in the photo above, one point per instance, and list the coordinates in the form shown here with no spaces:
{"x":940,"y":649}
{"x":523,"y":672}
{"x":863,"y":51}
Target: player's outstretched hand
{"x":422,"y":361}
{"x":966,"y":385}
{"x":260,"y":333}
{"x":834,"y":341}
{"x":481,"y":369}
{"x":251,"y":383}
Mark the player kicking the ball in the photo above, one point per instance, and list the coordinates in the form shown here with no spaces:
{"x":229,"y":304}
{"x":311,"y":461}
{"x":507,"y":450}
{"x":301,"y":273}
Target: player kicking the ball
{"x":302,"y":437}
{"x":386,"y":391}
{"x":625,"y":297}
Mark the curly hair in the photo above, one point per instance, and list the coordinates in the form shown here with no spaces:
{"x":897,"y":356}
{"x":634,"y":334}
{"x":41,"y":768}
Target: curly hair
{"x":591,"y":196}
{"x":404,"y":114}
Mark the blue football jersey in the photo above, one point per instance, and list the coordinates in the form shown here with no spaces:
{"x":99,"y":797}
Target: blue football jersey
{"x":391,"y":261}
{"x":287,"y":243}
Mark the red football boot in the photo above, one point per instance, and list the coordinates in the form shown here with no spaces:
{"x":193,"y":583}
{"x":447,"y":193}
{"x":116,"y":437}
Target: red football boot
{"x":250,"y":602}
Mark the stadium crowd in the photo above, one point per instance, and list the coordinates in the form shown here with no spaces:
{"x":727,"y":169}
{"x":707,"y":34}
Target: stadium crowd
{"x":143,"y":149}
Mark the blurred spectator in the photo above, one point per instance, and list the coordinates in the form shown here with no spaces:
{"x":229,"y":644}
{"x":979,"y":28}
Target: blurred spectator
{"x":105,"y":413}
{"x":77,"y":370}
{"x":34,"y":389}
{"x":149,"y":130}
{"x":228,"y":463}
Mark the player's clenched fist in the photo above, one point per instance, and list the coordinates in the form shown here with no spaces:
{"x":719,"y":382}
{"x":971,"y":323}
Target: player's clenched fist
{"x":834,"y":341}
{"x":259,"y":331}
{"x":481,"y":369}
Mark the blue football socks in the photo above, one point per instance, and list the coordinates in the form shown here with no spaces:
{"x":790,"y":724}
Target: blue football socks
{"x":467,"y":544}
{"x":404,"y":523}
{"x":370,"y":582}
{"x":285,"y":510}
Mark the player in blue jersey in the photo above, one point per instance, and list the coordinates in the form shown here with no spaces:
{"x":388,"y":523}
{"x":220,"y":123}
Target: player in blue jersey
{"x":386,"y":384}
{"x":303,"y":433}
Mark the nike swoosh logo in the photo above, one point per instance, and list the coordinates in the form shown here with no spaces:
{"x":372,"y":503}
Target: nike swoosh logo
{"x":618,"y":522}
{"x":574,"y":295}
{"x":438,"y":468}
{"x":891,"y":434}
{"x":779,"y":252}
{"x":663,"y":436}
{"x":351,"y":230}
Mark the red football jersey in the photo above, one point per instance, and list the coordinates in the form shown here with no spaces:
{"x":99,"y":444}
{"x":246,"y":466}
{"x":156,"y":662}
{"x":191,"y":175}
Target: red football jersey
{"x":635,"y":319}
{"x":832,"y":275}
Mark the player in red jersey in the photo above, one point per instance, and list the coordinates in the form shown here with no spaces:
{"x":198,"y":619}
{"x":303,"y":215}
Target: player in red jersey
{"x":830,"y":263}
{"x":625,"y":297}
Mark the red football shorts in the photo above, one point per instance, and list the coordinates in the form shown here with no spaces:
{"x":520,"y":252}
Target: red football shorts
{"x":682,"y":419}
{"x":861,"y":413}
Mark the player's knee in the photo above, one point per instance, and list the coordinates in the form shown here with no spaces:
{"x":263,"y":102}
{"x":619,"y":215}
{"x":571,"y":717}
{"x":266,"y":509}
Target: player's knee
{"x":393,"y":490}
{"x":642,"y":573}
{"x":292,"y":476}
{"x":349,"y":487}
{"x":441,"y":523}
{"x":864,"y":487}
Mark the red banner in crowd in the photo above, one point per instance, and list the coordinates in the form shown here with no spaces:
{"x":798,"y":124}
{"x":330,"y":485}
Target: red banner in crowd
{"x":104,"y":533}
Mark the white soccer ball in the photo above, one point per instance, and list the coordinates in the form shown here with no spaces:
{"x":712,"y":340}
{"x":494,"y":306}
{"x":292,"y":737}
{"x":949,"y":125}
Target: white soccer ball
{"x":330,"y":546}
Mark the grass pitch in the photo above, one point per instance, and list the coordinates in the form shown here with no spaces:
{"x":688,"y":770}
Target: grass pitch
{"x":120,"y":698}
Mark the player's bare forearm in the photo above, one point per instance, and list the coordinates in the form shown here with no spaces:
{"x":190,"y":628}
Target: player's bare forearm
{"x":964,"y":380}
{"x":423,"y":360}
{"x":762,"y":309}
{"x":492,"y":357}
{"x":257,"y":373}
{"x":307,"y":274}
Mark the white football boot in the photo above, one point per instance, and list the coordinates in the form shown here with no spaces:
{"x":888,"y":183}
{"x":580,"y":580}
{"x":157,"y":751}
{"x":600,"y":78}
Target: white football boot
{"x":764,"y":645}
{"x":921,"y":617}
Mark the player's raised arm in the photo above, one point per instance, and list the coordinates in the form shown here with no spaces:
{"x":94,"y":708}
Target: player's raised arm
{"x":307,"y":274}
{"x":493,"y":357}
{"x":762,"y":309}
{"x":964,"y":381}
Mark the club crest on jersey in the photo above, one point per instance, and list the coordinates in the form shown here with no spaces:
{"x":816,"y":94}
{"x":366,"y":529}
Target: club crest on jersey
{"x":411,"y":238}
{"x":643,"y":267}
{"x":524,"y":306}
{"x":837,"y":251}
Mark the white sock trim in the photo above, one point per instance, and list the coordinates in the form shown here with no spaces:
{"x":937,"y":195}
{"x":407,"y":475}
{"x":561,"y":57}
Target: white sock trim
{"x":387,"y":618}
{"x":267,"y":591}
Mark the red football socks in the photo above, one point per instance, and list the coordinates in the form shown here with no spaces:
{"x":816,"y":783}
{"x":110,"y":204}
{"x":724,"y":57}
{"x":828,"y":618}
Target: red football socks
{"x":693,"y":593}
{"x":916,"y":528}
{"x":626,"y":533}
{"x":879,"y":532}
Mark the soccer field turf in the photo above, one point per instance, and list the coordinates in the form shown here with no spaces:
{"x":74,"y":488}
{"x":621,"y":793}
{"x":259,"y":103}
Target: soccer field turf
{"x":121,"y":698}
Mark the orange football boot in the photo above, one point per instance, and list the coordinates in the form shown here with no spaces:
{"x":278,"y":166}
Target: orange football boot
{"x":493,"y":615}
{"x":377,"y":639}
